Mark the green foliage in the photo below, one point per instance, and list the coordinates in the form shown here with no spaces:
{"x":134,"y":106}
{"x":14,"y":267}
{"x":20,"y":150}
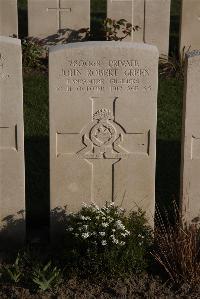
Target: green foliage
{"x":45,"y":277}
{"x":107,"y":28}
{"x":32,"y":54}
{"x":14,"y":272}
{"x":22,"y":4}
{"x":98,"y":6}
{"x":106,"y":240}
{"x":175,"y":7}
{"x":36,"y":112}
{"x":118,"y":30}
{"x":170,"y":96}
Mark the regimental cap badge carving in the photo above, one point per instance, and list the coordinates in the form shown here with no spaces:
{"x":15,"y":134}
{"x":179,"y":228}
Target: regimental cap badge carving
{"x":103,"y":114}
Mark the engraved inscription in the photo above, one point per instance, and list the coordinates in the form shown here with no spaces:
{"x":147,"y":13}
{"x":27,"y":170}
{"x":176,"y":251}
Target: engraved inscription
{"x":8,"y":138}
{"x":108,"y":75}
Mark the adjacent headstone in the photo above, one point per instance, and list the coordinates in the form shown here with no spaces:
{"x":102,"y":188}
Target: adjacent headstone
{"x":190,"y":26}
{"x":47,"y":18}
{"x":12,"y":177}
{"x":190,"y":170}
{"x":8,"y":18}
{"x":152,"y":16}
{"x":103,"y":107}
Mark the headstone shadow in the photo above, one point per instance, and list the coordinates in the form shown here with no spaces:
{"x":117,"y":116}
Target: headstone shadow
{"x":98,"y":15}
{"x":12,"y":231}
{"x":58,"y":223}
{"x":37,"y":185}
{"x":23,"y":22}
{"x":63,"y":36}
{"x":168,"y":177}
{"x":174,"y":35}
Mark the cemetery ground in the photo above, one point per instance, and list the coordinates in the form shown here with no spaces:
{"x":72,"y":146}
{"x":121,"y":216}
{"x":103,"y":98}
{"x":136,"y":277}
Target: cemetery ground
{"x":41,"y":272}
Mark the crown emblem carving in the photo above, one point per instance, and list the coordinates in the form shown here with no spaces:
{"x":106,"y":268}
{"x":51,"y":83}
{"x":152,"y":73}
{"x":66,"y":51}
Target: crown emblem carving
{"x":103,"y":114}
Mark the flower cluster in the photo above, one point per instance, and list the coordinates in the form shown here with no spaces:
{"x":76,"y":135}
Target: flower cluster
{"x":108,"y":240}
{"x":102,"y":227}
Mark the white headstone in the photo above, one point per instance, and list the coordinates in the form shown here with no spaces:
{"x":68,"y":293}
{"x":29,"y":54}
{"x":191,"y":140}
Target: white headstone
{"x":48,"y":17}
{"x":190,"y":26}
{"x":12,"y":177}
{"x":8,"y":18}
{"x":190,"y":170}
{"x":103,"y":107}
{"x":152,"y":16}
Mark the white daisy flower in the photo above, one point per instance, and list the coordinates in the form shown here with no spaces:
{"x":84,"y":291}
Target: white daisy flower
{"x":104,"y":243}
{"x":105,"y":224}
{"x":115,"y":241}
{"x":70,"y":229}
{"x":102,"y":234}
{"x":127,"y":232}
{"x":122,"y":243}
{"x":85,"y":235}
{"x":120,"y":225}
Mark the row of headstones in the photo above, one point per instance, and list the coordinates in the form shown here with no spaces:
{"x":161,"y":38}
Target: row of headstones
{"x":47,"y":17}
{"x":103,"y":110}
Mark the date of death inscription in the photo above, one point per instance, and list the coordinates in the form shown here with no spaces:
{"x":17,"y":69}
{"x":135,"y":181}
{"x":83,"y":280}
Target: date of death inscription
{"x":104,"y":76}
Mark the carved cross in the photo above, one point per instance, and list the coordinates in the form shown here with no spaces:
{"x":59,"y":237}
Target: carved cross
{"x":8,"y":138}
{"x":102,"y":140}
{"x":59,"y":11}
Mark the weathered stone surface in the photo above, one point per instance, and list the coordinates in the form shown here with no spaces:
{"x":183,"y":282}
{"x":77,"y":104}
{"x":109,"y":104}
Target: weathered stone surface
{"x":103,"y":104}
{"x":48,"y":17}
{"x":157,"y":24}
{"x":8,"y":18}
{"x":190,"y":170}
{"x":12,"y":177}
{"x":190,"y":25}
{"x":153,"y":17}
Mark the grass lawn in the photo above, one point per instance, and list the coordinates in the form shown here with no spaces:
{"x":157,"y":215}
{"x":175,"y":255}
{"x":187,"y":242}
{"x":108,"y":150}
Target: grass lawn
{"x":37,"y":132}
